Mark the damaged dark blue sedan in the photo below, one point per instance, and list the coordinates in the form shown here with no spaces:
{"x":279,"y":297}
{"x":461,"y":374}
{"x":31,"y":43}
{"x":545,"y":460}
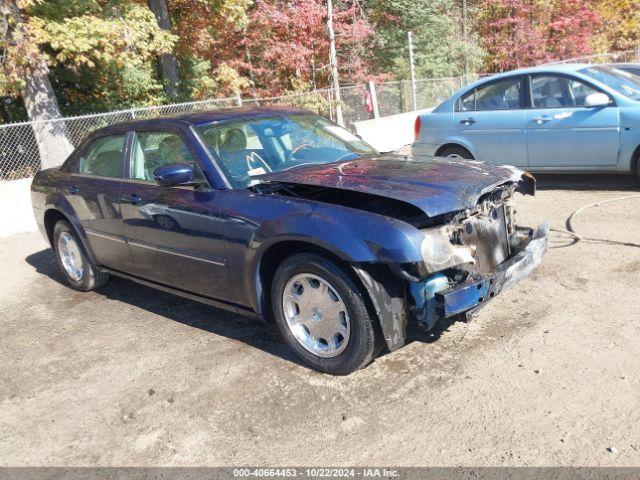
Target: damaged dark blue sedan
{"x":282,"y":215}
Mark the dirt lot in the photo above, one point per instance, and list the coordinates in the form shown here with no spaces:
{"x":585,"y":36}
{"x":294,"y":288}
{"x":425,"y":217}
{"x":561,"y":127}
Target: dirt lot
{"x":547,"y":374}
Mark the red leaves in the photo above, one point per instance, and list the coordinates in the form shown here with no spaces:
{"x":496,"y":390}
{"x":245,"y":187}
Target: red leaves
{"x":519,"y":33}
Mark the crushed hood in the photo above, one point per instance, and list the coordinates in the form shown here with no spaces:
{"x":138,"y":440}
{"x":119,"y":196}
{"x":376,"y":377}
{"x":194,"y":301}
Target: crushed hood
{"x":434,"y":185}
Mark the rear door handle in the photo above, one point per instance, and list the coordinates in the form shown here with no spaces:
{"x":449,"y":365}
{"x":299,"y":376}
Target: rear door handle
{"x":133,"y":198}
{"x":542,"y":119}
{"x":468,"y":121}
{"x":72,"y":189}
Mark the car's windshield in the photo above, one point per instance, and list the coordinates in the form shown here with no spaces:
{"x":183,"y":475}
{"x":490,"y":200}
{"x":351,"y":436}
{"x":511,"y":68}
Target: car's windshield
{"x":251,"y":147}
{"x":625,"y":83}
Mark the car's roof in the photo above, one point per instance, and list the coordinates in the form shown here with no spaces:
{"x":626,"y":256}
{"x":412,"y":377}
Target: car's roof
{"x":552,"y":67}
{"x":206,"y":116}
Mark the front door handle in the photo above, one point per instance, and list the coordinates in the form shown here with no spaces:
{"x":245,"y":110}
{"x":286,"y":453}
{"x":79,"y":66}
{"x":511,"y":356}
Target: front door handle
{"x":72,"y":189}
{"x":133,"y":199}
{"x":468,"y":121}
{"x":542,"y":119}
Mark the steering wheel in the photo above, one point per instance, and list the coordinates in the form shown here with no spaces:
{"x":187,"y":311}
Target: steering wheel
{"x":253,"y":156}
{"x":300,"y":147}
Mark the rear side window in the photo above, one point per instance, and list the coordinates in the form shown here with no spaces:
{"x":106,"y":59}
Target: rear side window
{"x":501,"y":95}
{"x":103,"y":158}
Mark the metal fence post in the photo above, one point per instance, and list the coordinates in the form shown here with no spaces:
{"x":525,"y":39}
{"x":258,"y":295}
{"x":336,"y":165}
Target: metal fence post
{"x":406,"y":95}
{"x":638,"y":53}
{"x":238,"y":99}
{"x":412,"y":71}
{"x":374,"y":98}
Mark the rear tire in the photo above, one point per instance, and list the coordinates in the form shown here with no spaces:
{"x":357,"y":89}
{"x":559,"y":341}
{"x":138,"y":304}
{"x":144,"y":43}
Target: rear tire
{"x":78,"y":270}
{"x":456,"y":151}
{"x":314,"y":298}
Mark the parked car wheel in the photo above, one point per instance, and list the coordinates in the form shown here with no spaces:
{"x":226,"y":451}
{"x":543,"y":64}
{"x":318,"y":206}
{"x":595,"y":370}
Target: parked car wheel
{"x":80,"y":272}
{"x":456,"y":152}
{"x":165,"y":222}
{"x":322,"y":314}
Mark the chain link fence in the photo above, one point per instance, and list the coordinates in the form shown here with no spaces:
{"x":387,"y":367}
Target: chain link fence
{"x":627,"y":56}
{"x":27,"y":147}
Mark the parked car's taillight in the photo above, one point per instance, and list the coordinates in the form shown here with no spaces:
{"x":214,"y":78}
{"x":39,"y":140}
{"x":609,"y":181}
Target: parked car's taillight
{"x":416,"y":128}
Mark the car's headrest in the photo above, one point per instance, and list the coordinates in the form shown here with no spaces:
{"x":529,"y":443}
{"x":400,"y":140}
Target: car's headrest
{"x":234,"y":140}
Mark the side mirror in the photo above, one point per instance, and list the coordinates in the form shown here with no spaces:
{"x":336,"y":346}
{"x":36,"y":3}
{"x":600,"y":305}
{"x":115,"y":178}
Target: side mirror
{"x":596,"y":100}
{"x":172,"y":175}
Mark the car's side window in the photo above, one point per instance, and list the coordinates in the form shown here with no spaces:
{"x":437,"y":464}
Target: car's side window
{"x":500,"y":95}
{"x":151,"y":150}
{"x":555,"y":91}
{"x":103,"y":158}
{"x":468,"y":102}
{"x":580,"y":91}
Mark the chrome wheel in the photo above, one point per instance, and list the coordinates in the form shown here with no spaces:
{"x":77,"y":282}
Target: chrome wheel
{"x":316,"y":315}
{"x":70,"y":256}
{"x":456,"y":156}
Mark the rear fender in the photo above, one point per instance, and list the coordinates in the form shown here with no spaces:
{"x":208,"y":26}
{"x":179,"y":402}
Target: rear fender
{"x":456,"y":140}
{"x":58,"y":202}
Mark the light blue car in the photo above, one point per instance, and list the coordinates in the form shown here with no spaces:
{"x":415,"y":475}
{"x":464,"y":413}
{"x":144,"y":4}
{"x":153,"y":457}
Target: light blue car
{"x":556,"y":118}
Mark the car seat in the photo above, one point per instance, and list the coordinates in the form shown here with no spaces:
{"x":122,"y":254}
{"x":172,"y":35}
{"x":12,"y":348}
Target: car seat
{"x":548,"y":99}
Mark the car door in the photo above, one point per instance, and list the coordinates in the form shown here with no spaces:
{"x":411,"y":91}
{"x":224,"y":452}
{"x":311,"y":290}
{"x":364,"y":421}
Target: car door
{"x":563,"y":132}
{"x":175,"y":233}
{"x":93,"y":191}
{"x":491,"y":120}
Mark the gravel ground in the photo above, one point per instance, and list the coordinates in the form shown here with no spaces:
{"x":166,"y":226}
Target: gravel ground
{"x":547,"y":374}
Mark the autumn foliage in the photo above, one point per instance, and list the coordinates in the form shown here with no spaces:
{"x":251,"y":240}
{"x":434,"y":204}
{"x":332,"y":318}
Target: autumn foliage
{"x":103,"y":54}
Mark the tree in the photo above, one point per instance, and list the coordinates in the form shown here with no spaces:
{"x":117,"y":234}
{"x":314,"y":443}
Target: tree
{"x":26,"y":70}
{"x":571,"y":29}
{"x":517,"y":33}
{"x":620,"y":24}
{"x":511,"y":34}
{"x":209,"y":41}
{"x":168,"y":62}
{"x":101,"y":53}
{"x":288,"y":45}
{"x":440,"y":44}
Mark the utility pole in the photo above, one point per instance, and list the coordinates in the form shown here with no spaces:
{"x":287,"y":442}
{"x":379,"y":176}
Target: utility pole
{"x":412,"y":71}
{"x":464,"y":37}
{"x":333,"y":61}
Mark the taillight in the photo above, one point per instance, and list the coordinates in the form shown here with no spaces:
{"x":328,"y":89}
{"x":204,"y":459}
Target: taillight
{"x":416,"y":128}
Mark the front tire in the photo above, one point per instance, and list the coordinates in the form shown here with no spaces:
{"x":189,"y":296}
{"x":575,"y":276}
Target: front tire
{"x":322,"y":314}
{"x":80,"y":272}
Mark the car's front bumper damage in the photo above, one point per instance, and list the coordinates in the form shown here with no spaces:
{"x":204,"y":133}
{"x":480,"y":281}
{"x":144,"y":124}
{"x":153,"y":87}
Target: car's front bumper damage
{"x":438,"y":296}
{"x":474,"y":293}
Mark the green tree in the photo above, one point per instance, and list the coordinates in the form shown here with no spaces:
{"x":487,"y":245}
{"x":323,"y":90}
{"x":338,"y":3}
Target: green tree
{"x":26,"y":72}
{"x":440,"y":46}
{"x":101,"y":53}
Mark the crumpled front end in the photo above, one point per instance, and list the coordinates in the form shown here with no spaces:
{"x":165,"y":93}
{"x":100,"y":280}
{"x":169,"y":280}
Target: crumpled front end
{"x":472,"y":258}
